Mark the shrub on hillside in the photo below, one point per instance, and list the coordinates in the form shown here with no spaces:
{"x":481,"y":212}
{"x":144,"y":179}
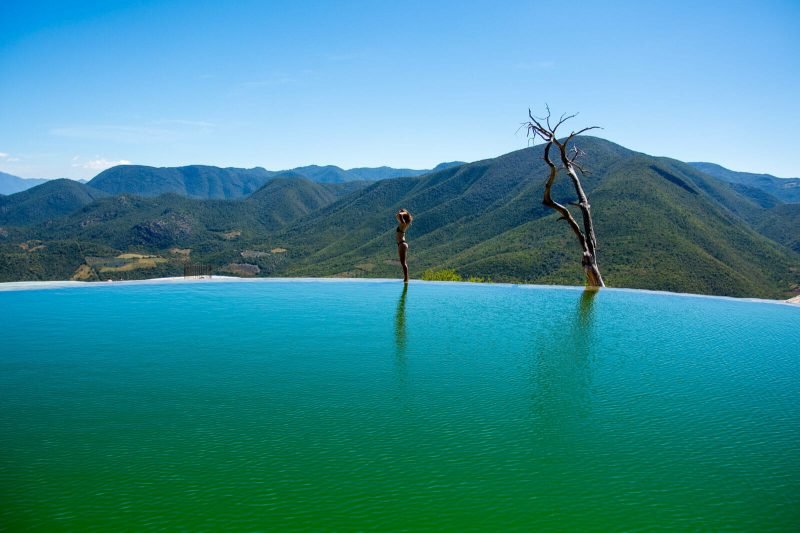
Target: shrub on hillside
{"x":446,"y":274}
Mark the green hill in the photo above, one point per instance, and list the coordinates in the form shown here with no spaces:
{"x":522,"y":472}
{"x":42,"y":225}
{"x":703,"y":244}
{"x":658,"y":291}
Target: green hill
{"x":129,"y":237}
{"x":661,"y":224}
{"x":782,"y":224}
{"x":52,"y":199}
{"x":290,"y":196}
{"x":784,"y":189}
{"x":195,"y":181}
{"x":158,"y":223}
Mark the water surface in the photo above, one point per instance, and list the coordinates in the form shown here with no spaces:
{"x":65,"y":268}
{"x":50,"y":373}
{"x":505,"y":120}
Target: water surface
{"x":352,"y":406}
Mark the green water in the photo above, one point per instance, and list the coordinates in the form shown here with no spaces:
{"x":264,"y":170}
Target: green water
{"x":356,"y":406}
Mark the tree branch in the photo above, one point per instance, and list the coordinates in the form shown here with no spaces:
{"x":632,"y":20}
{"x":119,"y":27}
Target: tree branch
{"x":562,"y":120}
{"x":586,"y":236}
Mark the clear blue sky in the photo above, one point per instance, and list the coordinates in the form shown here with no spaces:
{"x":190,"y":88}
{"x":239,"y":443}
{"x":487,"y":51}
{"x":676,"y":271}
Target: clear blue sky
{"x":84,"y":85}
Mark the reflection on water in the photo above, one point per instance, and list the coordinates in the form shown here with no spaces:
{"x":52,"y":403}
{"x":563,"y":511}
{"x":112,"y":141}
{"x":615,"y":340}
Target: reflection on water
{"x":400,"y":330}
{"x":562,"y":371}
{"x":586,"y":308}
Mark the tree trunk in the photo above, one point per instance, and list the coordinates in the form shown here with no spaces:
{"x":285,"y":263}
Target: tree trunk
{"x":586,"y":236}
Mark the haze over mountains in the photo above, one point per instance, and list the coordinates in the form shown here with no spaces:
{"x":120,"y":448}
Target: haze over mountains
{"x":661,"y":224}
{"x":10,"y":184}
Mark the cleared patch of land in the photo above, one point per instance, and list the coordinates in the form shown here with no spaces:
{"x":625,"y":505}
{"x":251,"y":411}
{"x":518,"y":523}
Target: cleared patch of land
{"x":253,"y":253}
{"x":242,"y":269}
{"x":84,"y":273}
{"x":124,"y":262}
{"x":32,"y":246}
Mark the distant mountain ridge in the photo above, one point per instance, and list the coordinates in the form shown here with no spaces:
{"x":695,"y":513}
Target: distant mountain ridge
{"x":169,"y":220}
{"x":200,"y":181}
{"x":334,"y":174}
{"x":784,"y":189}
{"x":194,"y":181}
{"x":10,"y":184}
{"x":285,"y":197}
{"x":204,"y":181}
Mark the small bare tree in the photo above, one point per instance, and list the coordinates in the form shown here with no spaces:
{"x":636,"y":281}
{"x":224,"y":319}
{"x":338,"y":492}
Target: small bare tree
{"x":542,"y":128}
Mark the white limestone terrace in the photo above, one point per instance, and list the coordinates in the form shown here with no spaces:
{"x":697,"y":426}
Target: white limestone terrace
{"x":41,"y":285}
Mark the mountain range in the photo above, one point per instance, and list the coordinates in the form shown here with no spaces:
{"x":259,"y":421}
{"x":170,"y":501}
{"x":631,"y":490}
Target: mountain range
{"x":202,"y":181}
{"x":784,"y":189}
{"x":661,"y":224}
{"x":10,"y":184}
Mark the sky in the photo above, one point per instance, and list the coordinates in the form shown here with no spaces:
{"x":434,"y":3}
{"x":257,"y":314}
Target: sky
{"x":90,"y":84}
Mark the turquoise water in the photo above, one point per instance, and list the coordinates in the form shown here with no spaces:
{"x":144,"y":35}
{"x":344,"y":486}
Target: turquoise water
{"x":356,"y":405}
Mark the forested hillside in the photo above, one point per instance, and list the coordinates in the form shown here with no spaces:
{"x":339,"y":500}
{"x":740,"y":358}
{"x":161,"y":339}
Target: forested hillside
{"x":785,"y":189}
{"x":661,"y":224}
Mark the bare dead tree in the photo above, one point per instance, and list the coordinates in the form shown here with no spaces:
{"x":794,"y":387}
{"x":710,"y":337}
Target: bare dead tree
{"x":542,"y":128}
